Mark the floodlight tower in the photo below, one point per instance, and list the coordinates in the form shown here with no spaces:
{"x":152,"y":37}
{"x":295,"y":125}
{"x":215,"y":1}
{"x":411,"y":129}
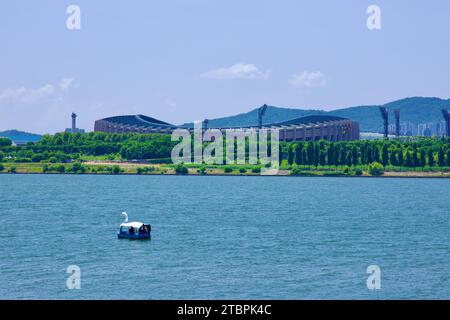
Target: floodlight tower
{"x":446,"y":116}
{"x":261,"y":112}
{"x":74,"y":123}
{"x":385,"y":116}
{"x":397,"y":122}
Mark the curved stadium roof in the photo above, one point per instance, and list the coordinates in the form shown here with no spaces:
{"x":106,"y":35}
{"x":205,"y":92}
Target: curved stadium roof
{"x":296,"y":121}
{"x":139,"y":120}
{"x":149,"y":122}
{"x":308,"y":120}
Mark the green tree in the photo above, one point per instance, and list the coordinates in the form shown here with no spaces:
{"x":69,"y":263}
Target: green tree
{"x":415,"y":158}
{"x":304,"y":156}
{"x":355,"y":156}
{"x":2,"y":167}
{"x":375,"y":153}
{"x":5,"y":142}
{"x":441,"y":157}
{"x":316,"y":154}
{"x":330,"y":155}
{"x":423,"y":160}
{"x":280,"y":153}
{"x":290,"y":154}
{"x":256,"y":170}
{"x":430,"y":158}
{"x":116,"y":169}
{"x":349,"y":159}
{"x":400,"y":157}
{"x":363,"y":151}
{"x":322,"y":158}
{"x":37,"y":157}
{"x":342,"y":156}
{"x":298,"y":153}
{"x":376,"y":169}
{"x":77,"y":167}
{"x":393,"y":156}
{"x":385,"y":154}
{"x":310,"y":153}
{"x":408,"y":160}
{"x":181,"y":169}
{"x":368,"y":156}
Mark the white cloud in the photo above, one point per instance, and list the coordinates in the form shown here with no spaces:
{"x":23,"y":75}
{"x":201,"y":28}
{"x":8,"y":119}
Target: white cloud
{"x":308,"y":79}
{"x":26,"y":95}
{"x":236,"y":71}
{"x":30,"y":95}
{"x":65,"y":84}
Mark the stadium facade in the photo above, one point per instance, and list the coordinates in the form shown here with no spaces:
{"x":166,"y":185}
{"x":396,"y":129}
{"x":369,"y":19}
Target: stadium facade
{"x":309,"y":128}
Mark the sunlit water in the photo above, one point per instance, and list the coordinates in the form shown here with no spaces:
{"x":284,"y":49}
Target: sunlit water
{"x":224,"y":237}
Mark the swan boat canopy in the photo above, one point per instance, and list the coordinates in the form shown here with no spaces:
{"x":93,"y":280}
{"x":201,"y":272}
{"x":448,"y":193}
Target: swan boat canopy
{"x":134,"y":230}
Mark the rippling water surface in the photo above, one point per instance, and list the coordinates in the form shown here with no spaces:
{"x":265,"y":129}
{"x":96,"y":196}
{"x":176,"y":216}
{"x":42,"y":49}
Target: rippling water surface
{"x":224,"y":237}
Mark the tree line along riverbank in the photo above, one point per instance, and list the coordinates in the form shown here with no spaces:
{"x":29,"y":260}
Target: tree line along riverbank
{"x":102,"y":153}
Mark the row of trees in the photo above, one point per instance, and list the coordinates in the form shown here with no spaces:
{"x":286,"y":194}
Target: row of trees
{"x":66,"y":146}
{"x":62,"y":147}
{"x":414,"y":153}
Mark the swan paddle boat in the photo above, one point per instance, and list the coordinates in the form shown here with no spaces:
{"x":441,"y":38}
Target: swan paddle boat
{"x":134,"y":230}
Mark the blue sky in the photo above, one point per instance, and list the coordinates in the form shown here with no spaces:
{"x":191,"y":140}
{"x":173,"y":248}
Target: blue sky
{"x":188,"y":60}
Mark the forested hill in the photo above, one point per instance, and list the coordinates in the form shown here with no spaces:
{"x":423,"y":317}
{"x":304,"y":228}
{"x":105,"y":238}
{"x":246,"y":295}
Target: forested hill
{"x":20,"y":136}
{"x":415,"y":110}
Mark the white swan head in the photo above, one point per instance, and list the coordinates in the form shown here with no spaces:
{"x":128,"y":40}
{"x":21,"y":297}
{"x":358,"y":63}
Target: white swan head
{"x":125,"y":215}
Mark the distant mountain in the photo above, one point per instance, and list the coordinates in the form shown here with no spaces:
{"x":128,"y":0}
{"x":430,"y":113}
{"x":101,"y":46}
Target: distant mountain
{"x":414,"y":110}
{"x":272,"y":115}
{"x":20,"y":136}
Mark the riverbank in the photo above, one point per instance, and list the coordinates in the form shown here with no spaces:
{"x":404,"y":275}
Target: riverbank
{"x":128,"y":168}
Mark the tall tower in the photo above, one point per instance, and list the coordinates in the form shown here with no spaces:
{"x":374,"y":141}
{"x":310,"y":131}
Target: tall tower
{"x":261,"y":112}
{"x":446,"y":115}
{"x":74,"y":123}
{"x":397,"y":122}
{"x":385,"y":116}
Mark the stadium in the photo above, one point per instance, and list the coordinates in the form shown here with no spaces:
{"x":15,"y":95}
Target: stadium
{"x":310,"y":128}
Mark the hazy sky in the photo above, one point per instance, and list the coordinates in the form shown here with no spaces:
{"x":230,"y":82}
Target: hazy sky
{"x":188,"y":60}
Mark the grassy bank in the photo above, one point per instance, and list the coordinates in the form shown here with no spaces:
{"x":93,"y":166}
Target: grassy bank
{"x":117,"y":168}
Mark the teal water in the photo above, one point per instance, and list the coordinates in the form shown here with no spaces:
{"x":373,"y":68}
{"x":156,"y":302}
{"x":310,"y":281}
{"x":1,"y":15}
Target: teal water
{"x":224,"y":237}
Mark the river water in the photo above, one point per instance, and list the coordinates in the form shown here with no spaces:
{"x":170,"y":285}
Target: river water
{"x":224,"y":237}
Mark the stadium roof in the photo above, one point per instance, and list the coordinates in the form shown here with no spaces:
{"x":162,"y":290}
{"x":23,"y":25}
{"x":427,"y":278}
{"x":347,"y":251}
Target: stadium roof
{"x":148,"y":122}
{"x":139,"y":120}
{"x":308,"y":120}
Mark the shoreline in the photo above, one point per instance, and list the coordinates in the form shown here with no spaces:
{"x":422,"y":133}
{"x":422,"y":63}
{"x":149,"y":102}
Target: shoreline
{"x":406,"y":175}
{"x":126,"y":168}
